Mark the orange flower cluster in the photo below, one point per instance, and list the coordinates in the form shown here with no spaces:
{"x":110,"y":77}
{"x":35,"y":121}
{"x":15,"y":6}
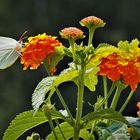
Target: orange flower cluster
{"x":114,"y":70}
{"x":37,"y":49}
{"x":122,"y":63}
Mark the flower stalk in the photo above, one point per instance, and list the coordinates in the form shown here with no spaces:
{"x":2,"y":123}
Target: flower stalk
{"x":127,"y":101}
{"x":47,"y":111}
{"x":116,"y":98}
{"x":105,"y":91}
{"x":91,"y":33}
{"x":57,"y":123}
{"x":71,"y":42}
{"x":108,"y":94}
{"x":79,"y":103}
{"x":64,"y":104}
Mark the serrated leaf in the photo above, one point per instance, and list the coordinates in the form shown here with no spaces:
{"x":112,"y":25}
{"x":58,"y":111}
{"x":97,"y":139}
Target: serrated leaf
{"x":90,"y":78}
{"x":68,"y":132}
{"x":40,"y":91}
{"x":124,"y":45}
{"x":117,"y":131}
{"x":48,"y":84}
{"x":63,"y":77}
{"x":105,"y":114}
{"x":129,"y":47}
{"x":25,"y":121}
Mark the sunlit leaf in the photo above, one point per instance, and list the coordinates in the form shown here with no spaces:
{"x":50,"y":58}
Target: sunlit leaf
{"x":25,"y":121}
{"x":63,"y":77}
{"x":105,"y":114}
{"x":68,"y":132}
{"x":57,"y":56}
{"x":40,"y":91}
{"x":90,"y":79}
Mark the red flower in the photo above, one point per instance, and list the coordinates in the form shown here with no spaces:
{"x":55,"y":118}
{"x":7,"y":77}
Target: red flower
{"x":109,"y":67}
{"x":114,"y":70}
{"x":37,"y":49}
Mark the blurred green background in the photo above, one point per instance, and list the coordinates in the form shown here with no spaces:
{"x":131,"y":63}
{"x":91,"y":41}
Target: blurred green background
{"x":38,"y":16}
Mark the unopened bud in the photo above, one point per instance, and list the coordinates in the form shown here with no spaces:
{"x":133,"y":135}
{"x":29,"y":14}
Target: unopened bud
{"x":92,"y":21}
{"x":71,"y":33}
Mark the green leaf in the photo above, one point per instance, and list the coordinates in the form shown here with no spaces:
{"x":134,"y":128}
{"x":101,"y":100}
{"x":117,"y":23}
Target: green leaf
{"x":129,"y":47}
{"x":68,"y":132}
{"x":102,"y":45}
{"x":57,"y":56}
{"x":68,"y":52}
{"x":117,"y":131}
{"x":134,"y":44}
{"x":25,"y":121}
{"x":48,"y":84}
{"x":65,"y":76}
{"x":86,"y":135}
{"x":105,"y":114}
{"x":124,"y":45}
{"x":40,"y":91}
{"x":90,"y":79}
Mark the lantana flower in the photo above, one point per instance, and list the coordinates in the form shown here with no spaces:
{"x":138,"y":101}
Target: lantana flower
{"x":71,"y":33}
{"x":122,"y":63}
{"x":37,"y":49}
{"x":92,"y":21}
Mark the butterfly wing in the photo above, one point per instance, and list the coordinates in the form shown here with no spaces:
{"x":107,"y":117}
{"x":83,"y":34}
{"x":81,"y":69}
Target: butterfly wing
{"x":8,"y":52}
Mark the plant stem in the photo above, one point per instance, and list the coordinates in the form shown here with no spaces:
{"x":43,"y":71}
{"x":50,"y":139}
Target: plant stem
{"x":64,"y":104}
{"x":73,"y":51}
{"x":126,"y":102}
{"x":57,"y":123}
{"x":105,"y":91}
{"x":108,"y":94}
{"x":46,"y":67}
{"x":92,"y":129}
{"x":116,"y":98}
{"x":91,"y":33}
{"x":79,"y":103}
{"x":52,"y":127}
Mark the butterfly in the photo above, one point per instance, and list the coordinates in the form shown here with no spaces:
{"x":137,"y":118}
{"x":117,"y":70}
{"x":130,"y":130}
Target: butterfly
{"x":9,"y":51}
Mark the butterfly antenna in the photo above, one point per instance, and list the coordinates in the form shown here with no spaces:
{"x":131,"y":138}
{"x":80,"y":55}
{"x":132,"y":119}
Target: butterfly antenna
{"x":23,"y":36}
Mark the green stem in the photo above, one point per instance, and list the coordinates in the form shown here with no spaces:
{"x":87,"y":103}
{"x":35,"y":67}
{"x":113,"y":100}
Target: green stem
{"x":79,"y":104}
{"x":46,"y":67}
{"x":58,"y":92}
{"x":52,"y":127}
{"x":64,"y":104}
{"x":57,"y":123}
{"x":91,"y":33}
{"x":105,"y":91}
{"x":92,"y":129}
{"x":116,"y":98}
{"x":73,"y":51}
{"x":126,"y":102}
{"x":108,"y":94}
